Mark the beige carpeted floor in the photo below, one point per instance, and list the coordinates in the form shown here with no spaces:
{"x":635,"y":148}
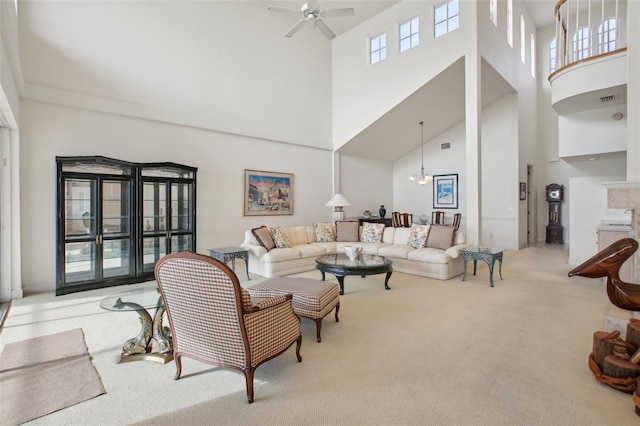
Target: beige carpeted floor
{"x":425,"y":352}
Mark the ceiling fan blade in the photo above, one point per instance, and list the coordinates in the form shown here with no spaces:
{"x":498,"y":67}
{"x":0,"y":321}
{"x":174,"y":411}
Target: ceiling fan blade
{"x":331,"y":13}
{"x":283,"y":9}
{"x":319,"y":23}
{"x":295,"y":28}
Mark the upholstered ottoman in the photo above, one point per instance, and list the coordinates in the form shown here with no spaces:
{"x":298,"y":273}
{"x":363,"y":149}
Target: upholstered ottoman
{"x":312,"y":299}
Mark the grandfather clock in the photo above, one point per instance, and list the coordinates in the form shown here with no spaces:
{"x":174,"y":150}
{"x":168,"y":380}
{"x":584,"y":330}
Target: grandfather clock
{"x":554,"y":198}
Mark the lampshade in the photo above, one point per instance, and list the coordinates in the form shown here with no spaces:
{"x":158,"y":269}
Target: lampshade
{"x":337,"y":202}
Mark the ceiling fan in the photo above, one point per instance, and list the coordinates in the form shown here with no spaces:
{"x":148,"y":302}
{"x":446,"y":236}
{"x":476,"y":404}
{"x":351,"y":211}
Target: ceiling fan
{"x":314,"y":14}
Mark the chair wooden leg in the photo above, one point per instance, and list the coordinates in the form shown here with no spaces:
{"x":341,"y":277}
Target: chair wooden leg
{"x":337,"y":309}
{"x":248,"y":375}
{"x":178,"y":361}
{"x":298,"y":344}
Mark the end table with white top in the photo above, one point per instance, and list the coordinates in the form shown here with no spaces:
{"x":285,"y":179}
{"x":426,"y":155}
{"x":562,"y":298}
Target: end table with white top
{"x":226,"y":254}
{"x":489,"y":255}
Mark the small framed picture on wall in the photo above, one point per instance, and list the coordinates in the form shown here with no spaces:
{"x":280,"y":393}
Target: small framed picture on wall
{"x":445,"y":191}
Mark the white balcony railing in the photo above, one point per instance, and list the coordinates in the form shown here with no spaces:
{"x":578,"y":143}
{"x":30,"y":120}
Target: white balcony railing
{"x":587,"y":29}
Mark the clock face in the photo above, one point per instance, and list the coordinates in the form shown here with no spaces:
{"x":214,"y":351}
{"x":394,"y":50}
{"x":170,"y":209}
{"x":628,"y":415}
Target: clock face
{"x":555,"y":194}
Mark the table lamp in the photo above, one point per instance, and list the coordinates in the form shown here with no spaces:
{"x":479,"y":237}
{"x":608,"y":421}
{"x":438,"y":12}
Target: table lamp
{"x":337,"y":202}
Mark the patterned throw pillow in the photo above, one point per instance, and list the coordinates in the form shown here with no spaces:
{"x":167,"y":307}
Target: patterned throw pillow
{"x":263,"y":235}
{"x":418,"y":236}
{"x":347,"y":230}
{"x":372,"y":232}
{"x":280,"y":237}
{"x":324,"y":232}
{"x":440,"y":237}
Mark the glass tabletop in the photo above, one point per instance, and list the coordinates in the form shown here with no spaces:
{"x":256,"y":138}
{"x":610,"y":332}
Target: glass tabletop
{"x":362,"y":261}
{"x":133,"y":300}
{"x":228,"y":250}
{"x":483,"y":249}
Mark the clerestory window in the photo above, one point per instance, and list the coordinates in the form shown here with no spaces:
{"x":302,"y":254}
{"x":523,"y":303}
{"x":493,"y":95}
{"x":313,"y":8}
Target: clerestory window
{"x":553,"y":55}
{"x":378,"y":48}
{"x":410,"y":34}
{"x":446,"y":18}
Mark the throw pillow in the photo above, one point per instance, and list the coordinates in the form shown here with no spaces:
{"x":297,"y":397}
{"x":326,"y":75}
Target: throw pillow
{"x":280,"y":237}
{"x":263,"y":235}
{"x":324,"y":232}
{"x":418,"y":236}
{"x":440,"y":236}
{"x":372,"y":232}
{"x":347,"y":230}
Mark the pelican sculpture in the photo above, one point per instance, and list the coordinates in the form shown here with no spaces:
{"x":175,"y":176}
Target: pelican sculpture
{"x":607,"y":263}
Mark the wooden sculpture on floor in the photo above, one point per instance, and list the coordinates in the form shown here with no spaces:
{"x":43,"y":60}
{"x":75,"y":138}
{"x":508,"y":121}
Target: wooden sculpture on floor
{"x":614,"y":361}
{"x":607,"y":263}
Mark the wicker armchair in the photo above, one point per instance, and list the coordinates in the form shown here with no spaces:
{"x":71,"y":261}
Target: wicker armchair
{"x":213,"y":319}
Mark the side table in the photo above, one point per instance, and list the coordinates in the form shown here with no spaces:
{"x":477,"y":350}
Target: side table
{"x":153,"y":343}
{"x":226,"y":254}
{"x":489,"y":255}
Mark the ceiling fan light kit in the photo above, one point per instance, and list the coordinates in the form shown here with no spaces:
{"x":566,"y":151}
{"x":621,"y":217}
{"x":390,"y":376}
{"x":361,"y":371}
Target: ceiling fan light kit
{"x":314,"y":14}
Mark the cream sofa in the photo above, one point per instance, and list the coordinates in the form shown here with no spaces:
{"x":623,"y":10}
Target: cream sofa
{"x":427,"y":262}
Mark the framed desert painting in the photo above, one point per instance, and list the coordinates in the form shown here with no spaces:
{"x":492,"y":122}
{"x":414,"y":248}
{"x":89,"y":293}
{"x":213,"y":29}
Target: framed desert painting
{"x":445,"y":191}
{"x":267,"y":193}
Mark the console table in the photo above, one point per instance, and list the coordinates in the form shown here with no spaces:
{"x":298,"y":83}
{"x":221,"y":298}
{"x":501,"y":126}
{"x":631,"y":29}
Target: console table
{"x":386,"y":220}
{"x":489,"y":255}
{"x":226,"y":254}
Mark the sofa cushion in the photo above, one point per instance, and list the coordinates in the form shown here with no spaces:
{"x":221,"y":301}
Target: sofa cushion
{"x":280,"y":237}
{"x":440,"y":237}
{"x":388,"y":234}
{"x":281,"y":254}
{"x":401,"y":236}
{"x":395,"y":251}
{"x":428,"y":255}
{"x":372,"y":232}
{"x":310,"y":250}
{"x":263,"y":237}
{"x":347,"y":230}
{"x":298,"y":235}
{"x":417,"y":236}
{"x":324,"y":232}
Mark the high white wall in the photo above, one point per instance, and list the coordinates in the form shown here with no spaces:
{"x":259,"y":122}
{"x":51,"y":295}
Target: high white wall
{"x":362,"y":93}
{"x":416,"y":199}
{"x":588,"y":199}
{"x":593,"y":131}
{"x":500,"y":189}
{"x":368,"y":186}
{"x":221,"y":65}
{"x":220,"y":158}
{"x":188,"y":82}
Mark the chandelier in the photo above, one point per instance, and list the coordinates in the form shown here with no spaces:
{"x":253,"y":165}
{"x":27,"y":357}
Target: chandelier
{"x":422,"y":179}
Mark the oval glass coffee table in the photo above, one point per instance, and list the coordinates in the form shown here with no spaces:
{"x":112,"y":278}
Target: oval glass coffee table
{"x":365,"y":264}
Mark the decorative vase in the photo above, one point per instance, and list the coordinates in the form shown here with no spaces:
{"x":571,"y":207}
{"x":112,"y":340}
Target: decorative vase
{"x":382,"y":211}
{"x":423,"y":219}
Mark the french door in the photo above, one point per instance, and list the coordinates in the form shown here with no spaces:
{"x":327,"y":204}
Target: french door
{"x":167,"y":212}
{"x":98,"y":222}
